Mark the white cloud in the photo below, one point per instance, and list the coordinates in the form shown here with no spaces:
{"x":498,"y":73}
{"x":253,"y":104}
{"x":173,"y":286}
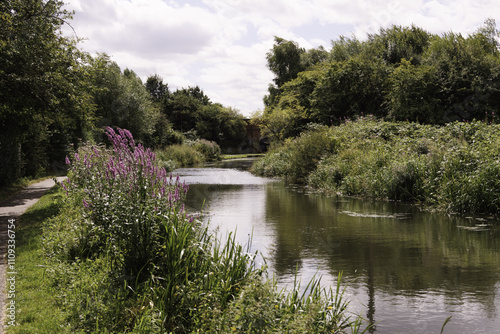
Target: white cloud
{"x":221,"y":45}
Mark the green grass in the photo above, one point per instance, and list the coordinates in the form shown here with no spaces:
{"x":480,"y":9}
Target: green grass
{"x":241,"y":156}
{"x":37,"y":309}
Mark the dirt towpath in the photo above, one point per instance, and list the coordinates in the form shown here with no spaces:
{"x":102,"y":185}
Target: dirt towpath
{"x":10,"y":209}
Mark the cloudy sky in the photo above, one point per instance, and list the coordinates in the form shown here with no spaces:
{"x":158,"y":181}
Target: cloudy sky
{"x":221,"y":45}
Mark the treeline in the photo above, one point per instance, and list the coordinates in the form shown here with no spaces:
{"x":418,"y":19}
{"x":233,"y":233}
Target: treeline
{"x":399,"y":74}
{"x":54,"y":96}
{"x":190,"y":111}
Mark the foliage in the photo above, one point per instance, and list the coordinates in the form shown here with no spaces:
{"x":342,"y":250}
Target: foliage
{"x":450,"y":167}
{"x":156,"y":88}
{"x":124,"y":195}
{"x":189,"y":109}
{"x":210,"y":150}
{"x":399,"y":73}
{"x":284,"y":60}
{"x":120,"y":98}
{"x":221,"y":125}
{"x":347,"y":90}
{"x":181,"y":155}
{"x":123,"y":256}
{"x":297,"y":158}
{"x":54,"y":96}
{"x":397,"y":43}
{"x":413,"y":94}
{"x":261,"y":308}
{"x":43,"y":103}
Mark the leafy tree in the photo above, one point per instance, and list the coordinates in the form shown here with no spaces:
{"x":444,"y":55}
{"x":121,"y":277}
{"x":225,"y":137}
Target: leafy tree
{"x":121,"y":99}
{"x":284,"y":60}
{"x":190,"y":110}
{"x":346,"y":48}
{"x":292,"y":111}
{"x":413,"y":94}
{"x":312,"y":57}
{"x":468,"y":70}
{"x":397,"y":42}
{"x":43,"y":107}
{"x":182,"y":107}
{"x":222,"y":125}
{"x":348,"y":89}
{"x":233,"y":126}
{"x":156,"y":88}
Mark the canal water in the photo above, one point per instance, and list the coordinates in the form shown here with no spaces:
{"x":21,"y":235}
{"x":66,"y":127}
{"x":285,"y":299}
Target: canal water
{"x":406,"y":270}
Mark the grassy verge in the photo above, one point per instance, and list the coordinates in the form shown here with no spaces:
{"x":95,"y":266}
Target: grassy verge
{"x":37,"y":308}
{"x":241,"y":156}
{"x":452,"y":168}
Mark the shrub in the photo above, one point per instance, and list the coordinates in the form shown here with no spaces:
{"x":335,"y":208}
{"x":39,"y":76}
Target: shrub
{"x":210,"y":150}
{"x":453,"y":167}
{"x":125,"y":198}
{"x":298,"y":157}
{"x":182,"y":155}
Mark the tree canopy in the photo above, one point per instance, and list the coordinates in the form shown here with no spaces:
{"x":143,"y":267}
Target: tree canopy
{"x":54,"y":96}
{"x":401,"y":73}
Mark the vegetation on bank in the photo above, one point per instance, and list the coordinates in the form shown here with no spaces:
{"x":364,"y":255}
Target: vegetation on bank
{"x":241,"y":156}
{"x":191,"y":153}
{"x":454,"y":167}
{"x":120,"y":254}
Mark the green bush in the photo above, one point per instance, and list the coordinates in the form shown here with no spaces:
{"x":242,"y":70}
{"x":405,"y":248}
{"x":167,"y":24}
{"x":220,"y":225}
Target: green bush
{"x":452,"y":167}
{"x":298,"y":157}
{"x":210,"y":150}
{"x":181,"y":155}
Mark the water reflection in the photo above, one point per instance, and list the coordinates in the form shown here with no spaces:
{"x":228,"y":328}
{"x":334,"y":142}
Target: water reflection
{"x":406,"y":269}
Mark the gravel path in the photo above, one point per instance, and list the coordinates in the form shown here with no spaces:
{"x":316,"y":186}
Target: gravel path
{"x":10,"y":209}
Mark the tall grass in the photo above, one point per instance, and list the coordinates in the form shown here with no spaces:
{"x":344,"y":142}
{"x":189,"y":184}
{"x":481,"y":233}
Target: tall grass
{"x":191,"y":153}
{"x":126,"y":257}
{"x":453,"y":167}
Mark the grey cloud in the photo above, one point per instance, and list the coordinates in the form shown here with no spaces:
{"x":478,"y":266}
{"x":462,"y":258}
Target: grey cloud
{"x":157,"y":41}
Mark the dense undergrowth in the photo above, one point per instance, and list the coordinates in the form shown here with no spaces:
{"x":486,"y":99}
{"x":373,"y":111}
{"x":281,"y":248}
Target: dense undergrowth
{"x":455,"y":167}
{"x":190,"y":153}
{"x":123,"y":256}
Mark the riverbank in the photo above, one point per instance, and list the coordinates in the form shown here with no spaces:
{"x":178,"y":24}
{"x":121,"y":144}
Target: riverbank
{"x":453,"y":168}
{"x":122,"y":255}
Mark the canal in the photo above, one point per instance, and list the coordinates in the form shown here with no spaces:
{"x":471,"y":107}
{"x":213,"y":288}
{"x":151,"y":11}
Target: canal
{"x":406,"y":270}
